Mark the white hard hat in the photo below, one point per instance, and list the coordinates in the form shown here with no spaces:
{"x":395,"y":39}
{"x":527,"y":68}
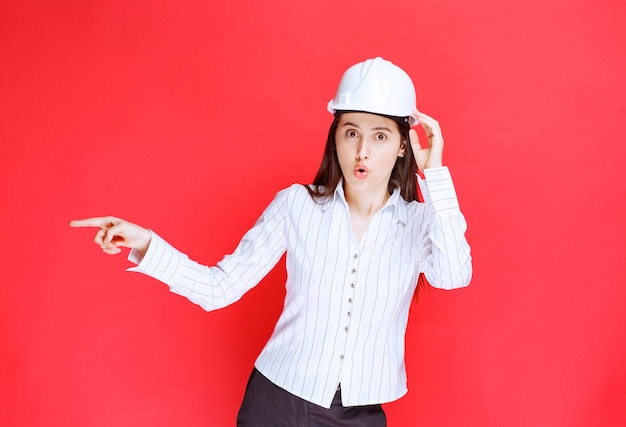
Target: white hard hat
{"x":376,"y":86}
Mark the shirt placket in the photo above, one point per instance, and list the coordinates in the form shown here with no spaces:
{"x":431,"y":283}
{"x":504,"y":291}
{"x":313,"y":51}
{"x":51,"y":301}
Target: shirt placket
{"x":349,"y":296}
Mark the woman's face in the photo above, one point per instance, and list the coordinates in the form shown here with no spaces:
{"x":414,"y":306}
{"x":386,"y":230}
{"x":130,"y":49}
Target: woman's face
{"x":368,"y":146}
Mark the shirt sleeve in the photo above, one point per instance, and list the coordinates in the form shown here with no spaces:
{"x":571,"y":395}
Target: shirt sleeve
{"x":445,"y":256}
{"x":218,"y":286}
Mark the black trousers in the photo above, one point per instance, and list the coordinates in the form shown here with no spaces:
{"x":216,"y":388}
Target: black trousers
{"x":267,"y":405}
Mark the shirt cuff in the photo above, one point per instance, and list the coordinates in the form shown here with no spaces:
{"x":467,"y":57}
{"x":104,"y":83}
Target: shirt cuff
{"x":440,"y":189}
{"x":160,"y":261}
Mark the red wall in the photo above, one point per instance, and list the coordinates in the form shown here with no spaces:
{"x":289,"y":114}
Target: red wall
{"x":188,"y":117}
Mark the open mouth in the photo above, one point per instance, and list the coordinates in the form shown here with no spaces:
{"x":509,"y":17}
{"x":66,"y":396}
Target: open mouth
{"x":360,"y":171}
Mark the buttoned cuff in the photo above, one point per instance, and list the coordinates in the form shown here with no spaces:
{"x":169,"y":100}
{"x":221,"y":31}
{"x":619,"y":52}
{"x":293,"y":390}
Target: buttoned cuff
{"x":438,"y":189}
{"x":160,"y":260}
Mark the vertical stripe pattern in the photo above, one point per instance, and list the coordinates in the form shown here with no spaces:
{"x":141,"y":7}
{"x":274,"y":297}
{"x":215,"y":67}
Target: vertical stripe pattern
{"x":347,"y":302}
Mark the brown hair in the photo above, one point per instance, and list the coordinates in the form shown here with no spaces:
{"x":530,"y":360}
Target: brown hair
{"x":403,"y":174}
{"x":329,"y":173}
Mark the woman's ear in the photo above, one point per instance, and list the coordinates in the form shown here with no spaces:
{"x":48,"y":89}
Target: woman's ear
{"x":402,"y":151}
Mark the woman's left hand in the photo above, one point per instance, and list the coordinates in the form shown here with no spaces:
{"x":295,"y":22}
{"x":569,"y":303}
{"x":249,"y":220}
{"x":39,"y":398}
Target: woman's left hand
{"x":432,"y":156}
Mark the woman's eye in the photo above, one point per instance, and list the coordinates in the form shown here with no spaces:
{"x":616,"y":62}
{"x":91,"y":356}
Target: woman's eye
{"x":351,"y":134}
{"x":380,"y":137}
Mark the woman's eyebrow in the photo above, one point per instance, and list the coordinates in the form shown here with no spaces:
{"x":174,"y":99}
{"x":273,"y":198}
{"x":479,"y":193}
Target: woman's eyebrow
{"x":350,"y":124}
{"x":359,"y":127}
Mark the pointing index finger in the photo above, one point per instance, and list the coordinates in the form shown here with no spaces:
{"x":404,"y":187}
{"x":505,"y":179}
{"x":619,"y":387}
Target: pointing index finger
{"x":91,"y":222}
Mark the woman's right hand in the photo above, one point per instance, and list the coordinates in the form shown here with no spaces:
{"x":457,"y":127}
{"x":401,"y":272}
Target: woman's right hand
{"x":116,"y":233}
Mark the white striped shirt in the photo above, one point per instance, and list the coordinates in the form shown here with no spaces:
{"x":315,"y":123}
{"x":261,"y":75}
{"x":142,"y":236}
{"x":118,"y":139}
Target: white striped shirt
{"x":347,"y":302}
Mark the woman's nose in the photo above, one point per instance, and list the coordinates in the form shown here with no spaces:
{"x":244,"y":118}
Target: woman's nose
{"x":362,"y":151}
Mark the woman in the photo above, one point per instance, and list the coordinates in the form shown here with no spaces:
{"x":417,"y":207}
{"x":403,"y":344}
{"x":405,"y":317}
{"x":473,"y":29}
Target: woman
{"x":356,"y":240}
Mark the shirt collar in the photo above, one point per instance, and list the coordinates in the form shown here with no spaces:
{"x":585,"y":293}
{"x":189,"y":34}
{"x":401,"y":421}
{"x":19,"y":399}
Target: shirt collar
{"x":395,"y":202}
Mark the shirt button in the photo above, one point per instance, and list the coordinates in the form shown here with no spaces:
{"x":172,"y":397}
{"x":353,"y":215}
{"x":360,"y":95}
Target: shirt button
{"x":354,"y":270}
{"x":346,"y":329}
{"x":349,"y":313}
{"x":352,"y":285}
{"x":341,"y":356}
{"x":355,"y":256}
{"x":350,"y":300}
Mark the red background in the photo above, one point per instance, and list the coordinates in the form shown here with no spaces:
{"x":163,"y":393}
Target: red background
{"x":188,"y":117}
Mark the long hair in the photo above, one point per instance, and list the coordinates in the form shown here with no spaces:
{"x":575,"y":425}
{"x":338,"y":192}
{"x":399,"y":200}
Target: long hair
{"x":402,"y":176}
{"x":329,"y":173}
